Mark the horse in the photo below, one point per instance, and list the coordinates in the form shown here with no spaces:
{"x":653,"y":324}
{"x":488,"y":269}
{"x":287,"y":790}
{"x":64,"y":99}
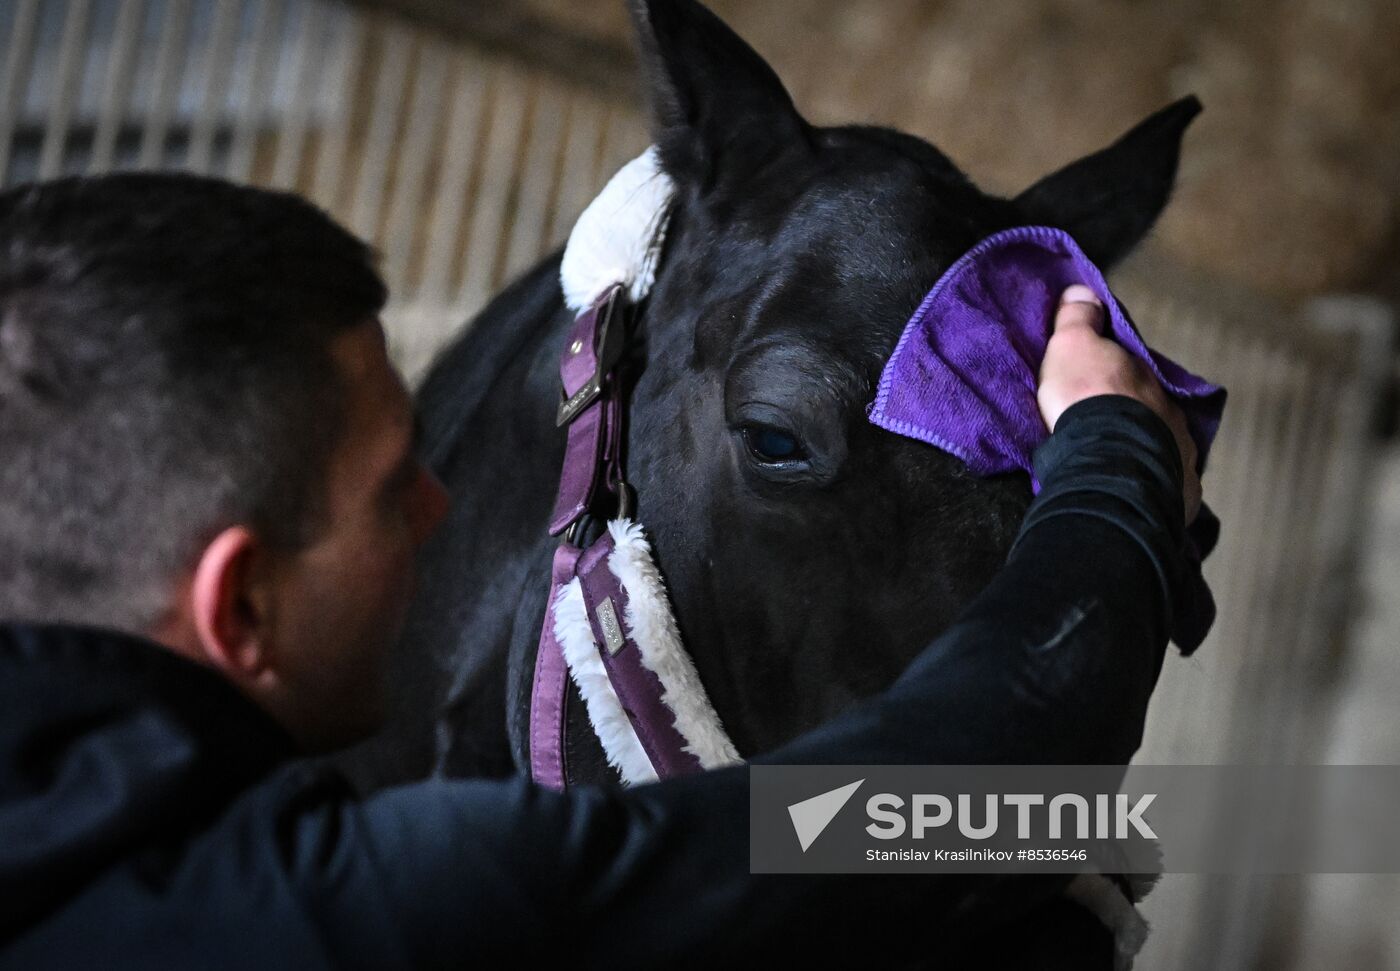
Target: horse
{"x":809,"y":555}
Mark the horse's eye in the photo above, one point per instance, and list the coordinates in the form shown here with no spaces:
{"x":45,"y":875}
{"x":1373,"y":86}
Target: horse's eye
{"x":772,"y":446}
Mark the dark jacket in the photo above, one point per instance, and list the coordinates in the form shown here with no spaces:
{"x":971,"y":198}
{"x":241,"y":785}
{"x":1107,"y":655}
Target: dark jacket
{"x":151,"y":817}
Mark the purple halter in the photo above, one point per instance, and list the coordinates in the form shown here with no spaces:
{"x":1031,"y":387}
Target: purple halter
{"x":594,"y":411}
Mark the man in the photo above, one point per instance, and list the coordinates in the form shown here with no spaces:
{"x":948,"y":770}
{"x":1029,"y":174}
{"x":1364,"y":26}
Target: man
{"x":209,"y":503}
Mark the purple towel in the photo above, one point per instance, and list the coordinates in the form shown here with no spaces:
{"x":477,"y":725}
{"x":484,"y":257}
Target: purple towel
{"x":963,"y":375}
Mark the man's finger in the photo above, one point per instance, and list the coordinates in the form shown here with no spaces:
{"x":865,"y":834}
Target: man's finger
{"x":1079,"y":307}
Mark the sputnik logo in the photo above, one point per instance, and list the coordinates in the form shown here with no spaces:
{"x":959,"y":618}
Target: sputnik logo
{"x":811,"y":816}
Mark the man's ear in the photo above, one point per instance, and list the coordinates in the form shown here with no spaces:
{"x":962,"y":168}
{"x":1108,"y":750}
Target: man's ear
{"x":229,"y":612}
{"x":714,"y":102}
{"x":1109,"y":200}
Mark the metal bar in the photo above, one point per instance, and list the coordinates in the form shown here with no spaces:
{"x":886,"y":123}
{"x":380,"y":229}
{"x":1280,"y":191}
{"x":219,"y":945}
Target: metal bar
{"x":459,"y":156}
{"x":214,"y":72}
{"x":1174,"y":726}
{"x":1288,"y":649}
{"x":488,"y":225}
{"x":1228,"y":489}
{"x":262,"y":59}
{"x":117,"y":83}
{"x":577,"y":183}
{"x":624,"y":140}
{"x":1270,"y":674}
{"x":72,"y":51}
{"x":1310,"y":559}
{"x":305,"y":62}
{"x":540,"y":177}
{"x":386,"y":109}
{"x":406,"y":205}
{"x":528,"y":38}
{"x":330,"y":156}
{"x":165,"y":82}
{"x":1260,"y":380}
{"x":1267,"y":441}
{"x":15,"y":81}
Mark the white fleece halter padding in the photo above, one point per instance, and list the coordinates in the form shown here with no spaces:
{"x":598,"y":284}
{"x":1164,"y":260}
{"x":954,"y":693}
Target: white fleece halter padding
{"x":618,"y":238}
{"x":610,"y":723}
{"x":652,"y":627}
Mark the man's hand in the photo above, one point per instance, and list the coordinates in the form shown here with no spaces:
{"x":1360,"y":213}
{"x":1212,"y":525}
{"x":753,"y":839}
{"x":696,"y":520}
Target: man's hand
{"x":1081,"y":363}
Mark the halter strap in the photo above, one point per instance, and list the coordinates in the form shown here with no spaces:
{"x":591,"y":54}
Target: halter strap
{"x":592,"y":408}
{"x":638,"y":689}
{"x":551,"y":684}
{"x":582,"y":408}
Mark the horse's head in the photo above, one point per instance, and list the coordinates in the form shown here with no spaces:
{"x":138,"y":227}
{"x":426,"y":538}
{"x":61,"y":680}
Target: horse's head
{"x":810,"y":554}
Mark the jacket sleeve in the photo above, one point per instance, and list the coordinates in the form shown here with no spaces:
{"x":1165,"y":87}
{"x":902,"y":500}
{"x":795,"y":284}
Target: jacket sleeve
{"x":1053,"y":663}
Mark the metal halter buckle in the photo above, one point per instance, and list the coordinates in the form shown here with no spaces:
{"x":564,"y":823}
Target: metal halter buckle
{"x":610,"y":343}
{"x":574,"y":534}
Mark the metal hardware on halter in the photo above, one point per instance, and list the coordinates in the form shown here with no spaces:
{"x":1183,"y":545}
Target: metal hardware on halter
{"x":623,"y":491}
{"x":569,"y":408}
{"x":573,"y":536}
{"x":612,"y":630}
{"x":609,"y":352}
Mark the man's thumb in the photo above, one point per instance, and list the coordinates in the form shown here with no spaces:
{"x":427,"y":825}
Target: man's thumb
{"x":1079,"y":307}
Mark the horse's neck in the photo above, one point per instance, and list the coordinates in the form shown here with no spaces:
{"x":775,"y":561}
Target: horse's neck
{"x":503,"y":344}
{"x":487,"y":409}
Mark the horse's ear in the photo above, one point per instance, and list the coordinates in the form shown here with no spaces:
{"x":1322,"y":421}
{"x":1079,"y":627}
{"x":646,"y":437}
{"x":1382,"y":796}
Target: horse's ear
{"x":714,"y":102}
{"x":1109,"y":200}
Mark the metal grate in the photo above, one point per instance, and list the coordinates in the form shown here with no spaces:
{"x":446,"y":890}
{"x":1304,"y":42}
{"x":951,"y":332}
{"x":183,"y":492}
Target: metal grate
{"x":464,"y":168}
{"x":1288,"y":478}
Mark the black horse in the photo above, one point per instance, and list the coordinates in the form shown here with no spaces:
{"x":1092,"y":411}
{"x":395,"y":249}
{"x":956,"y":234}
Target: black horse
{"x":809,"y":555}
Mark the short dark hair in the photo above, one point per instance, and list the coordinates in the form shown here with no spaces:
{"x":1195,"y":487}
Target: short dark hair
{"x":165,"y":371}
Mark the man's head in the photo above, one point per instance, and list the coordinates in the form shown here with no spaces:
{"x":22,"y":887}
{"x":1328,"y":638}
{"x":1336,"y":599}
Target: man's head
{"x":203,"y":438}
